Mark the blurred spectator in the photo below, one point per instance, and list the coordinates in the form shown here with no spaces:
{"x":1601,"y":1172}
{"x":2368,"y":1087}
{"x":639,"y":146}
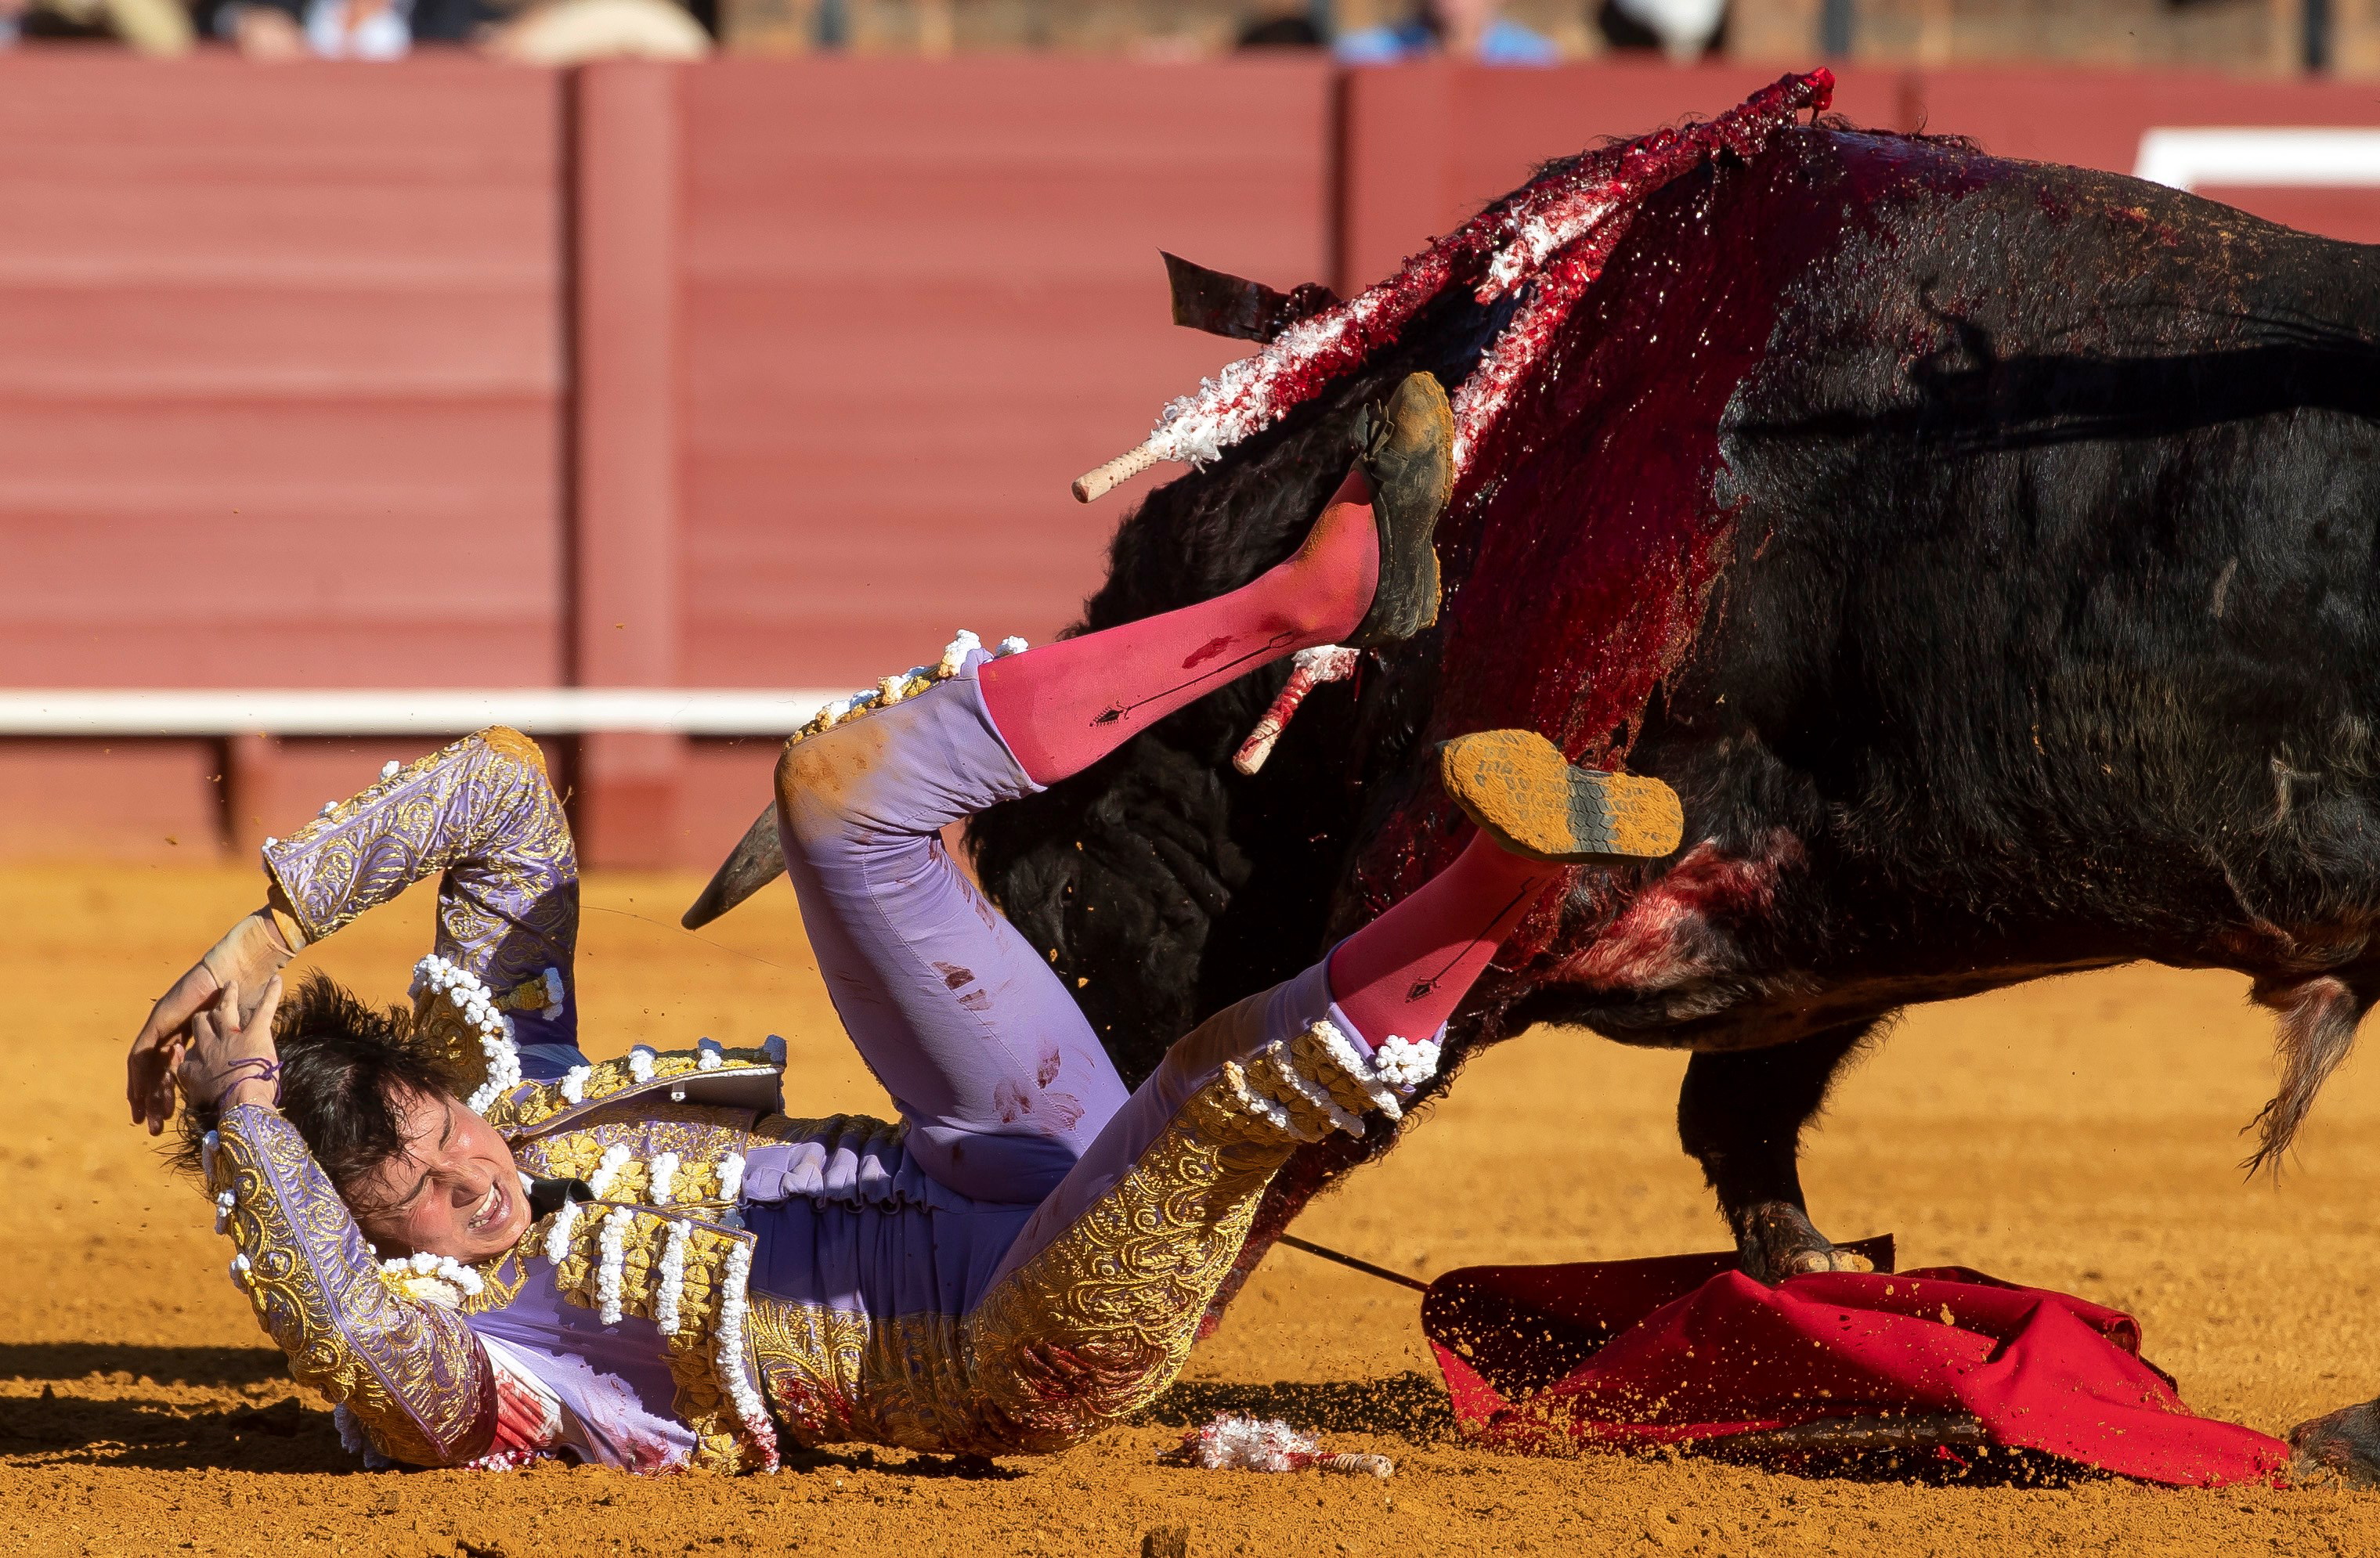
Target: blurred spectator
{"x":552,"y":33}
{"x":1683,"y":30}
{"x":573,"y":32}
{"x":1283,"y":29}
{"x":1472,"y":30}
{"x":152,"y":27}
{"x":345,"y":29}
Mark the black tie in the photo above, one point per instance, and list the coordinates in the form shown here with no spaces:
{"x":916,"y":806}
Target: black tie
{"x":546,"y":1196}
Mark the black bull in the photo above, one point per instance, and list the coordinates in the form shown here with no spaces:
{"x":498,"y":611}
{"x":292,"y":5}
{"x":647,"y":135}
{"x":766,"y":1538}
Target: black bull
{"x":2040,"y":634}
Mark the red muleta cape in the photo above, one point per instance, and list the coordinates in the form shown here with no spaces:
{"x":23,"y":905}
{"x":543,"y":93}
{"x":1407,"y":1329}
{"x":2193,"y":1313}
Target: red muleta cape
{"x":1557,"y":1359}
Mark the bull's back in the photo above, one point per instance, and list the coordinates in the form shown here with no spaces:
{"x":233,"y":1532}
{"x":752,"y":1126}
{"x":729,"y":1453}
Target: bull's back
{"x":2049,"y":633}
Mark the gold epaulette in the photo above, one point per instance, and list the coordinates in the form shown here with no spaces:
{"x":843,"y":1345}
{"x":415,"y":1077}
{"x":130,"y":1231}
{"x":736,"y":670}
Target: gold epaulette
{"x":471,"y":1026}
{"x":709,"y":1073}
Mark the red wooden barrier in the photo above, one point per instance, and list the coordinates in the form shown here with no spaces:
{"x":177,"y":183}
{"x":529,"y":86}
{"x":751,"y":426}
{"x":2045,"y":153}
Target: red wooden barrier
{"x":280,"y":370}
{"x":911,"y":303}
{"x":627,"y":436}
{"x":918,"y":301}
{"x":283,"y":397}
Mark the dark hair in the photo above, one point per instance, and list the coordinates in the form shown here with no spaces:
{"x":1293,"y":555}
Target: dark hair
{"x":344,"y":1066}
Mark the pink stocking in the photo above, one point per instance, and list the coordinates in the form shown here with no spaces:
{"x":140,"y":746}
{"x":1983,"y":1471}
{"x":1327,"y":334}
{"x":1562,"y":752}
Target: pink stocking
{"x":1402,"y":975}
{"x":1066,"y":706}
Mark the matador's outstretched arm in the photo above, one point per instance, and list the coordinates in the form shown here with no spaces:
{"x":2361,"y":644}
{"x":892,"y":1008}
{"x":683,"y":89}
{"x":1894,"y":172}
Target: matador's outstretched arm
{"x":482,"y":816}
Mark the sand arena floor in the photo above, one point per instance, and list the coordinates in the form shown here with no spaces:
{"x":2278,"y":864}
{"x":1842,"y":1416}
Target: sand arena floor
{"x":2078,"y":1134}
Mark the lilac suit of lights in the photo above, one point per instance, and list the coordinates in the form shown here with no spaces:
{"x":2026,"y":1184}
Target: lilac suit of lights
{"x":1017,"y":1263}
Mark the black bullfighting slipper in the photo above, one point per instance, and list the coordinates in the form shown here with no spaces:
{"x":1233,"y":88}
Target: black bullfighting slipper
{"x":1517,"y":787}
{"x":1408,"y":455}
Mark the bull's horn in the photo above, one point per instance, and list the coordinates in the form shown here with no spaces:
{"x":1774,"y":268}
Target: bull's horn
{"x":757,"y":860}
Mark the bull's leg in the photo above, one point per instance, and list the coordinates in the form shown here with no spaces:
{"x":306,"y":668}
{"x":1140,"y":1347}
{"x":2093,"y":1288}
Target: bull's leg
{"x":1740,"y":1114}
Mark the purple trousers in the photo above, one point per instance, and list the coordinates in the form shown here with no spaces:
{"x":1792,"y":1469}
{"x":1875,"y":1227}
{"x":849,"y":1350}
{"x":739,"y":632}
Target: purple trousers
{"x":1016,"y":1119}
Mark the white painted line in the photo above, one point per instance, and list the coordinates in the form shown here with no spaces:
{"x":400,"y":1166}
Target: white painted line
{"x":694,"y":711}
{"x":2273,"y":158}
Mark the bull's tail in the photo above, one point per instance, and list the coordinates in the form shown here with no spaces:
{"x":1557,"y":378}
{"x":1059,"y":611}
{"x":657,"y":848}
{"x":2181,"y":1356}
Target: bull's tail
{"x":2318,"y":1020}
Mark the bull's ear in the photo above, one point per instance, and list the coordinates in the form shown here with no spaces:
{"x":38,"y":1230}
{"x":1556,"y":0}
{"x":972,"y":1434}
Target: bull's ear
{"x":1222,"y":304}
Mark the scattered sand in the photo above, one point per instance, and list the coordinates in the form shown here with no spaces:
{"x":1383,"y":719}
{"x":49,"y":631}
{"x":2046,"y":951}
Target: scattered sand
{"x":2078,"y":1134}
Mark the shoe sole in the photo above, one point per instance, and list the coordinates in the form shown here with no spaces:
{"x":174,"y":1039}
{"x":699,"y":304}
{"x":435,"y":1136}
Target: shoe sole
{"x":1412,"y":474}
{"x":1516,"y":786}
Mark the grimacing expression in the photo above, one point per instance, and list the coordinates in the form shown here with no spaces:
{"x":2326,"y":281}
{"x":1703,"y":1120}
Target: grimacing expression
{"x":454,"y":1189}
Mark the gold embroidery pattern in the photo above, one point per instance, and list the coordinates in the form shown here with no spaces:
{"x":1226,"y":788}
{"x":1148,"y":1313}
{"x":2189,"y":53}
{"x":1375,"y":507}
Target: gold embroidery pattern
{"x":412,"y":1373}
{"x":809,"y":1359}
{"x":915,"y":1384}
{"x":481,"y":812}
{"x":889,"y":690}
{"x":835,"y":1377}
{"x":501,"y":1280}
{"x":1101,"y":1320}
{"x":1089,"y":1329}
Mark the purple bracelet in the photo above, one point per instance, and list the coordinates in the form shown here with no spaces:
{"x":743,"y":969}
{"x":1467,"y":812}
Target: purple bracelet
{"x":266,"y":1071}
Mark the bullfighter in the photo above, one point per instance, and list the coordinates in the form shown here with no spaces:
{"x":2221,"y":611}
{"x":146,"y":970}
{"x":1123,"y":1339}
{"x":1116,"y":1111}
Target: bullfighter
{"x":486,"y":1248}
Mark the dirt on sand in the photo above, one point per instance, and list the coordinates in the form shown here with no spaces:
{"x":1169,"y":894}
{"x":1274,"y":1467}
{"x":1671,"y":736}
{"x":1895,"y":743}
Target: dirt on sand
{"x":2078,"y":1134}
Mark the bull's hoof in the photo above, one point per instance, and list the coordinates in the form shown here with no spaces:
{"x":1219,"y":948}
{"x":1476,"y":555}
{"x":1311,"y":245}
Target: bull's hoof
{"x":2343,"y":1446}
{"x":1778,"y":1240}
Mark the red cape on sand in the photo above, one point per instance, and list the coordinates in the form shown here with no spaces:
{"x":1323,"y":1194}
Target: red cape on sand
{"x":1636,"y":1354}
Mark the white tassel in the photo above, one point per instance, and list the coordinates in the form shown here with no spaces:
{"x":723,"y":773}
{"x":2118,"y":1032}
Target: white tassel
{"x":672,"y":1290}
{"x":1406,"y":1063}
{"x":611,"y":1248}
{"x":557,"y":1237}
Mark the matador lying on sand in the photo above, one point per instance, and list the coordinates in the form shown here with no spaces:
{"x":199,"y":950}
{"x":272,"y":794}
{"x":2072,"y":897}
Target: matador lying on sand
{"x":485,"y":1247}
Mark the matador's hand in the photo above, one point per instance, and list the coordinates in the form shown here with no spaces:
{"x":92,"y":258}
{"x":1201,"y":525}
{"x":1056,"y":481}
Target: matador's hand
{"x":250,"y":953}
{"x":229,"y":1060}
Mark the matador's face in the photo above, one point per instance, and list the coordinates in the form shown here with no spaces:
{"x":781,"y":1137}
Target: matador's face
{"x":454,"y":1191}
